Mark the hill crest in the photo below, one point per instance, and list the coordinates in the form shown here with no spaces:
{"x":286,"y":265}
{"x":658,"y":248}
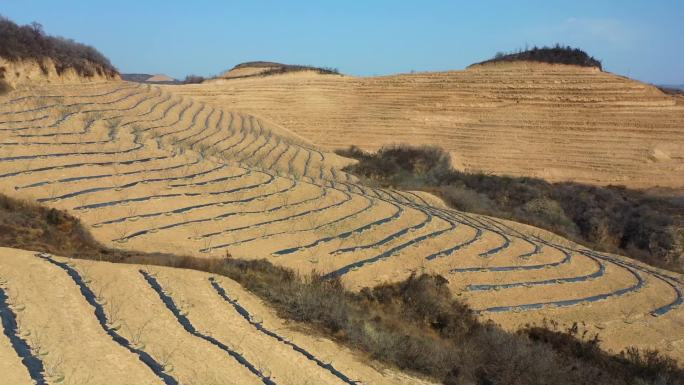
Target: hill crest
{"x":552,"y":55}
{"x":267,"y":68}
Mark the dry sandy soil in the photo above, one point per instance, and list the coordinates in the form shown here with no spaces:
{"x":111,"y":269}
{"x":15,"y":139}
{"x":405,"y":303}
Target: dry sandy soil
{"x":555,"y":122}
{"x":162,"y":325}
{"x":149,"y":170}
{"x":27,"y":73}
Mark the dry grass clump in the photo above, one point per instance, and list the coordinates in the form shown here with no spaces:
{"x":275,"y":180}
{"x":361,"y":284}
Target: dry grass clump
{"x":4,"y":86}
{"x":649,"y":366}
{"x":612,"y":219}
{"x":415,"y":325}
{"x":30,"y":226}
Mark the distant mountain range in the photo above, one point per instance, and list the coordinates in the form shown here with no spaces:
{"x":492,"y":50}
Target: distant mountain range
{"x":148,"y":78}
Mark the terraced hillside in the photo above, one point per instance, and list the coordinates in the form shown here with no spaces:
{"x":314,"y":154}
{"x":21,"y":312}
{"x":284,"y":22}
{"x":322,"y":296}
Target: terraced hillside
{"x":148,"y":170}
{"x":180,"y":327}
{"x":555,"y":122}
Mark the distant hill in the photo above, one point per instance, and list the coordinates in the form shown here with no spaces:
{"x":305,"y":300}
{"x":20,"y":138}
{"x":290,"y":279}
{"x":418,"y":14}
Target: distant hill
{"x":148,"y":78}
{"x":266,"y":68}
{"x":679,"y":87}
{"x":552,"y":55}
{"x":160,"y":78}
{"x":672,"y":89}
{"x":525,"y":114}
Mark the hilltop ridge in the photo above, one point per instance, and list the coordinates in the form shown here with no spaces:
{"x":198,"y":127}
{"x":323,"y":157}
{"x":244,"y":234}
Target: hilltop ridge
{"x":267,"y":68}
{"x":551,"y":55}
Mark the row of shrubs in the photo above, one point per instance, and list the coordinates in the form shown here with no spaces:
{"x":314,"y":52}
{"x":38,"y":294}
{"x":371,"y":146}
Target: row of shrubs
{"x":193,"y":79}
{"x":30,"y":42}
{"x":415,"y":325}
{"x":613,"y":219}
{"x":555,"y":55}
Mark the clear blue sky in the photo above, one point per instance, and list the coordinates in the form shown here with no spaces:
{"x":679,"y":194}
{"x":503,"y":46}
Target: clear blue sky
{"x":640,"y":39}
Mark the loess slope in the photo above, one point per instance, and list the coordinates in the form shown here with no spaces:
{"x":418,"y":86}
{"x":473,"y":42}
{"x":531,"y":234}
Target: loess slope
{"x":148,"y":170}
{"x":180,"y":327}
{"x":554,"y":122}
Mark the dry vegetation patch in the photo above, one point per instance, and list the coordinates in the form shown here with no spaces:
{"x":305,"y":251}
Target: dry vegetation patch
{"x":615,"y":219}
{"x":4,"y":87}
{"x":29,"y":42}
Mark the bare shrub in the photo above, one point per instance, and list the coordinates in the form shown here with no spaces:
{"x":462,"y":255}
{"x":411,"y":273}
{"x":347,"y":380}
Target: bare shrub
{"x":4,"y":87}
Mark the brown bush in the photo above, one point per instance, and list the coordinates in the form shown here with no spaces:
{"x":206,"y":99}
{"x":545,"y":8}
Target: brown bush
{"x":27,"y":225}
{"x":4,"y":87}
{"x":193,"y":79}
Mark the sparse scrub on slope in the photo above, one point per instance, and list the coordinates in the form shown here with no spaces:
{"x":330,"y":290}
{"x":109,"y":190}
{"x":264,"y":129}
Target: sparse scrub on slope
{"x":417,"y":326}
{"x":30,"y":42}
{"x":193,"y":79}
{"x":4,"y":87}
{"x":30,"y":226}
{"x":613,"y":218}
